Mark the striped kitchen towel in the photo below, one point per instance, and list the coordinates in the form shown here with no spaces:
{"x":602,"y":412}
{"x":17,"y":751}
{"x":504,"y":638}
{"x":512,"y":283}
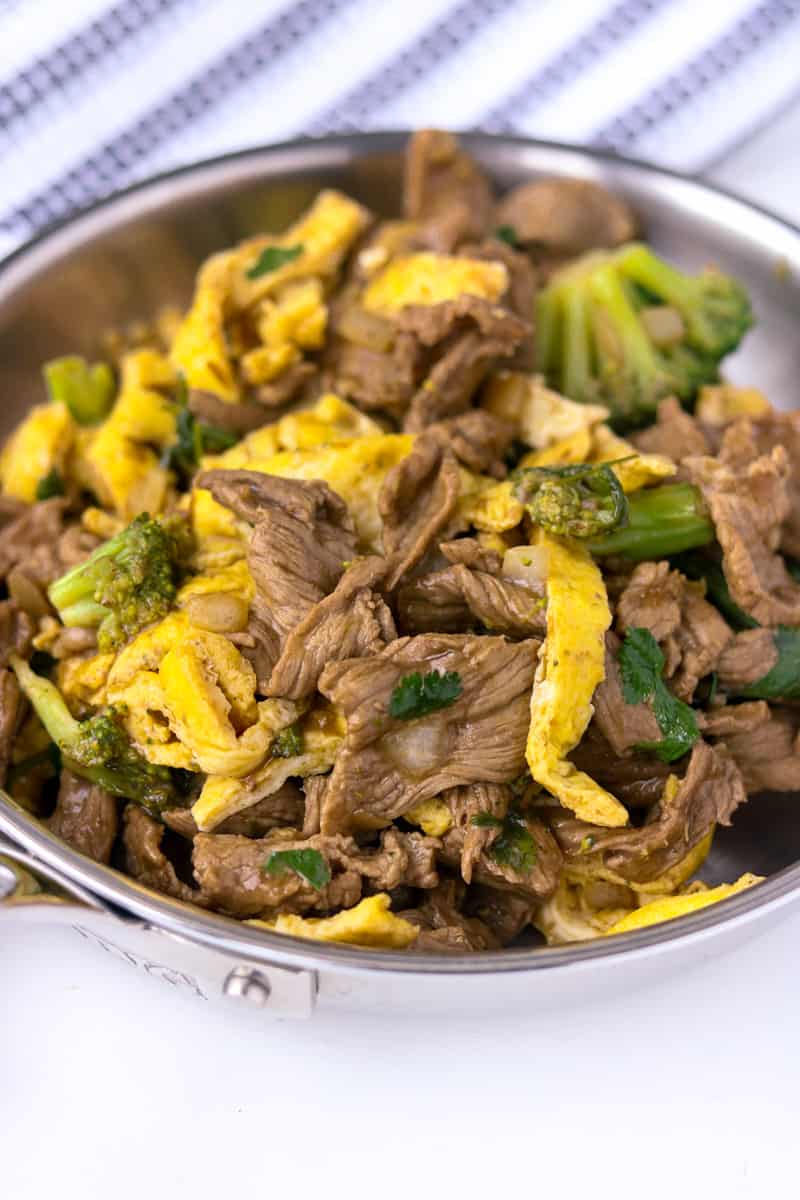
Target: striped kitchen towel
{"x":94,"y":95}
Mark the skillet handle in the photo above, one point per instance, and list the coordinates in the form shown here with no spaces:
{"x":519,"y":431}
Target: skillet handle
{"x":26,"y":882}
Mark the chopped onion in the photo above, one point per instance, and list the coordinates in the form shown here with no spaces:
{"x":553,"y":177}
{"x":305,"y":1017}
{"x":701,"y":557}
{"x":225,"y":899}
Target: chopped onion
{"x":420,"y":748}
{"x":526,"y":565}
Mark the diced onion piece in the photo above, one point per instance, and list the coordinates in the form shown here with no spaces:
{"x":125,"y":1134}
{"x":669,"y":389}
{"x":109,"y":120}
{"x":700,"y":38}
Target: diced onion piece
{"x":526,"y":565}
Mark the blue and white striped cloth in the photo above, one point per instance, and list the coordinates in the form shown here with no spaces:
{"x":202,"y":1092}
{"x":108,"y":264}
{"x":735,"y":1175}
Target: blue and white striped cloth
{"x":94,"y":95}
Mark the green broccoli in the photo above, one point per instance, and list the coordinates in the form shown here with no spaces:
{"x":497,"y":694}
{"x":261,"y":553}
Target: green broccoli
{"x":579,"y":500}
{"x":125,"y":584}
{"x":661,"y":521}
{"x":87,"y":391}
{"x":98,"y":748}
{"x":625,"y":329}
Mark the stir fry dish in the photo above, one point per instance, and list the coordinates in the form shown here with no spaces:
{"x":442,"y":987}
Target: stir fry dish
{"x":422,"y":585}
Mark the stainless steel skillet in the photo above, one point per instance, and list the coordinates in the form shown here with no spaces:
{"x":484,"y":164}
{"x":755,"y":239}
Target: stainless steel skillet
{"x":128,"y":256}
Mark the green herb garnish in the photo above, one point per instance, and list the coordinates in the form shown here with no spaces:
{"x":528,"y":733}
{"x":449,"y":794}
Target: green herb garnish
{"x":507,"y":234}
{"x":308,"y":864}
{"x":50,"y":485}
{"x":642,"y":663}
{"x":272,"y":257}
{"x":486,"y":820}
{"x":194,"y":439}
{"x":418,"y":695}
{"x":288,"y":743}
{"x":514,"y":848}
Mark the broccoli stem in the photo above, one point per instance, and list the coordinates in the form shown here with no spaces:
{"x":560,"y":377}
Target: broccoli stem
{"x":87,"y":391}
{"x":661,"y":521}
{"x":78,"y":585}
{"x":48,"y":703}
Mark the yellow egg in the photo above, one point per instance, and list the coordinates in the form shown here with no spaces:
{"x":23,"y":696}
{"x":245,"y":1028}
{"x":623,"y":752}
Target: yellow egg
{"x":667,"y":908}
{"x":427,"y":278}
{"x":635,"y":470}
{"x":370,"y":923}
{"x":39,"y":445}
{"x":200,"y":349}
{"x":722,"y":402}
{"x":571,"y":665}
{"x":490,"y":506}
{"x":82,"y":681}
{"x":541,"y":416}
{"x":433,"y":817}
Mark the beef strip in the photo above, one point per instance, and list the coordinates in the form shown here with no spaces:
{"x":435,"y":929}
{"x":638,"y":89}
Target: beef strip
{"x":768,"y":755}
{"x":284,"y":807}
{"x":417,"y":500}
{"x":478,"y":439}
{"x":85,"y":817}
{"x":708,"y":795}
{"x":675,"y":434}
{"x":10,"y":708}
{"x":30,"y":539}
{"x":375,"y":379}
{"x":314,"y":788}
{"x":731,"y":719}
{"x":692,"y":633}
{"x":520,"y":297}
{"x":351,"y":622}
{"x":748,"y":657}
{"x":16,"y":631}
{"x":235,"y":418}
{"x":231,"y":872}
{"x":472,"y":554}
{"x":469,"y":848}
{"x":387,"y":765}
{"x":566,"y":217}
{"x":444,"y":928}
{"x":456,"y":598}
{"x":506,"y":914}
{"x":637,"y":779}
{"x":748,"y":500}
{"x":472,"y":336}
{"x":303,"y":535}
{"x":146,"y":861}
{"x":279,"y":392}
{"x":444,"y":190}
{"x":622,"y":725}
{"x":783,"y":429}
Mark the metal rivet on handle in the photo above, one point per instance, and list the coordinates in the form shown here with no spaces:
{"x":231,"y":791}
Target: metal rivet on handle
{"x":244,"y":983}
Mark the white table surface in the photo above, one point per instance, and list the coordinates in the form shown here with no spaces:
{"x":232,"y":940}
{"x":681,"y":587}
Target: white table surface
{"x":112,"y":1085}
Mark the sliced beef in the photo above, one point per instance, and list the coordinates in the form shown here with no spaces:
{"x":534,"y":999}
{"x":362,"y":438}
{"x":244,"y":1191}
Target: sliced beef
{"x":10,"y":709}
{"x":748,"y":499}
{"x":520,"y":297}
{"x":472,"y":554}
{"x":710,"y":792}
{"x":302,"y":537}
{"x":472,"y":336}
{"x":352,"y":622}
{"x":417,"y":501}
{"x":444,"y":190}
{"x":692,"y":633}
{"x":230,"y":871}
{"x":768,"y":755}
{"x":279,"y":392}
{"x":387,"y":765}
{"x":376,"y":379}
{"x":675,"y":434}
{"x":314,"y":787}
{"x":284,"y":807}
{"x":85,"y":817}
{"x":748,"y":657}
{"x":622,"y":725}
{"x":783,"y":429}
{"x":566,"y":217}
{"x":506,"y":914}
{"x":636,"y":779}
{"x":30,"y":539}
{"x":479,"y":440}
{"x":235,"y":418}
{"x":458,"y":598}
{"x":731,"y":719}
{"x":146,"y":861}
{"x":470,"y":849}
{"x":444,"y":927}
{"x":16,"y":631}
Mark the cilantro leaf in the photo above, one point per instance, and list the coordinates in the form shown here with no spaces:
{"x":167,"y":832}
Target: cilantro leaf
{"x":288,"y":743}
{"x":272,"y":257}
{"x":50,"y":485}
{"x":194,"y":439}
{"x":486,"y":820}
{"x":507,"y":234}
{"x":308,"y":864}
{"x":515,"y":848}
{"x":418,"y":695}
{"x":641,"y":664}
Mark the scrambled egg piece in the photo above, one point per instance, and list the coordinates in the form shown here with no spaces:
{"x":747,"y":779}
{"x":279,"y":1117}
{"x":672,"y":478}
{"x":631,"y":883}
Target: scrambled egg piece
{"x":39,"y":445}
{"x":490,"y":506}
{"x":571,"y":665}
{"x":723,"y":402}
{"x":82,"y":681}
{"x":667,"y":908}
{"x":200,"y":348}
{"x":322,"y":733}
{"x":325,"y":233}
{"x":292,"y":321}
{"x":541,"y":416}
{"x":567,"y":917}
{"x":573,"y":449}
{"x":330,"y":421}
{"x":146,"y":651}
{"x":639,"y":470}
{"x":370,"y":923}
{"x":234,"y":578}
{"x":433,"y":817}
{"x":119,"y":462}
{"x":427,"y":279}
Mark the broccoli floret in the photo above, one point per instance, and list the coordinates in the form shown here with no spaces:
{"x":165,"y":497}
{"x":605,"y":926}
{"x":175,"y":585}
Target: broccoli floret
{"x":625,"y":329}
{"x":125,"y":584}
{"x":98,"y":748}
{"x":661,"y":521}
{"x":579,"y":500}
{"x":87,"y":391}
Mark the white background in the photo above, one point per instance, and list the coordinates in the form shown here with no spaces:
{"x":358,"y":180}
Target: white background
{"x":112,"y":1085}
